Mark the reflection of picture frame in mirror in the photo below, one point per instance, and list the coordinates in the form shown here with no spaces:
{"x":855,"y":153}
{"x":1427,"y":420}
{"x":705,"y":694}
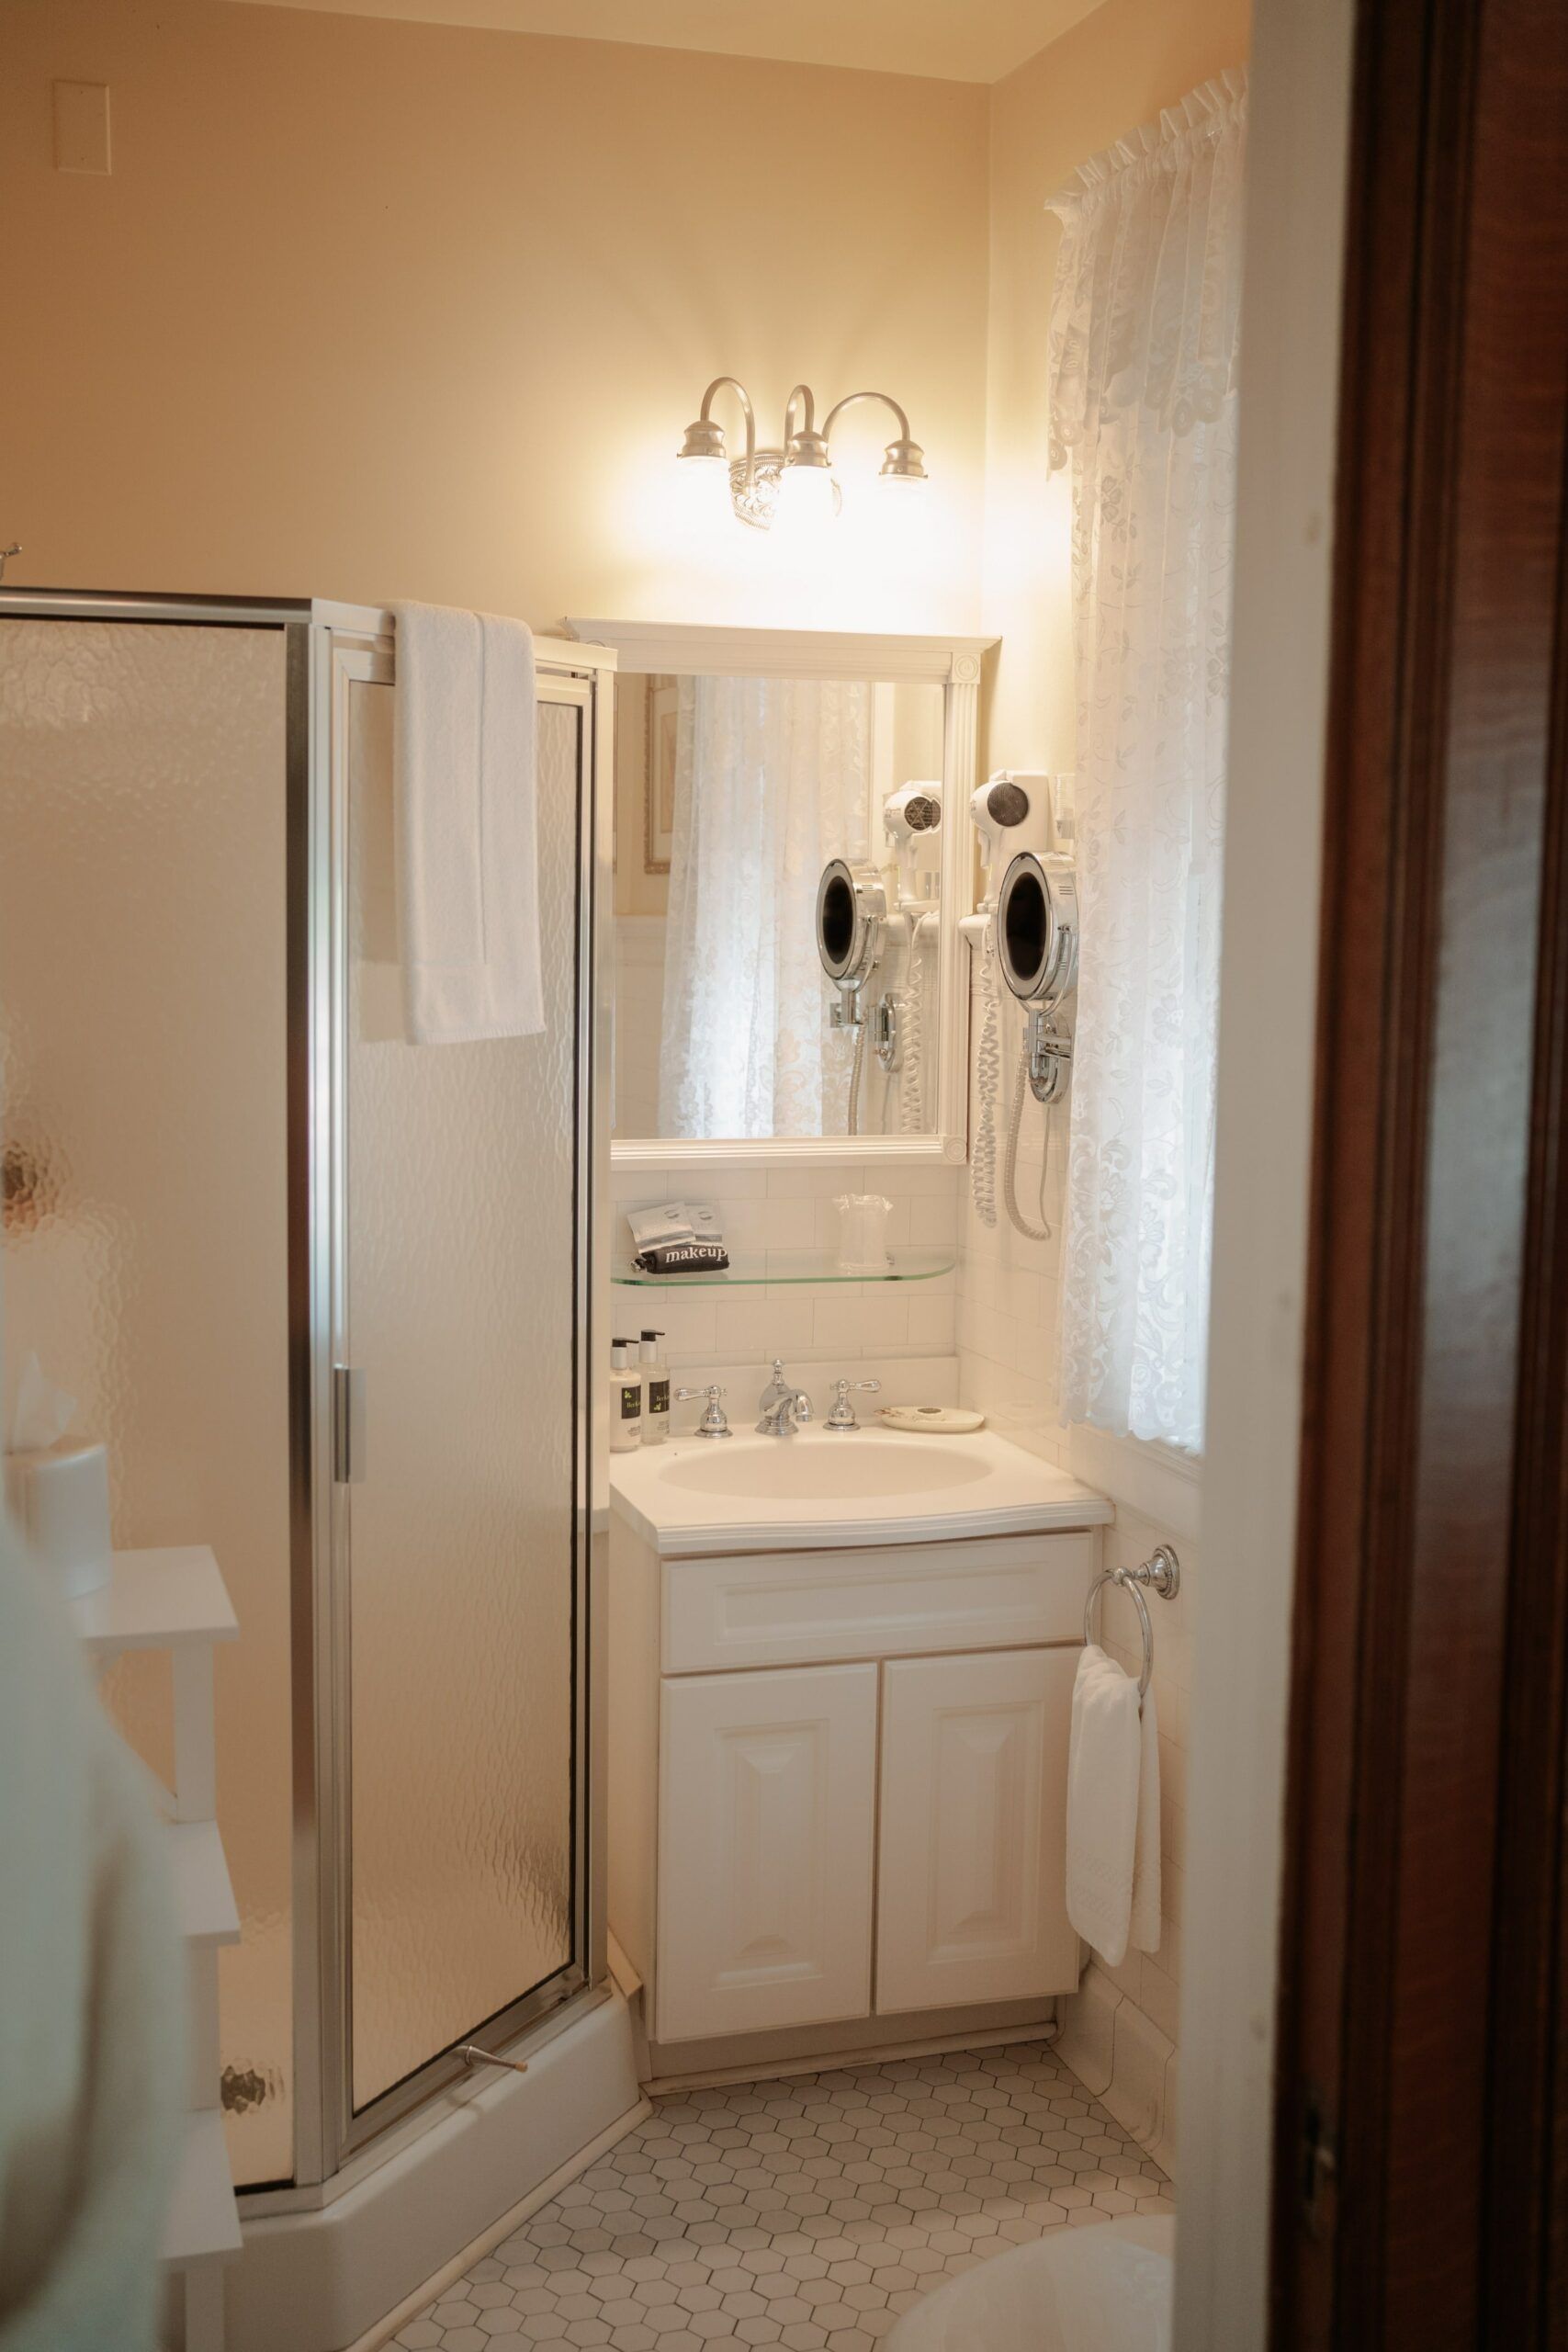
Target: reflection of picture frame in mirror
{"x":658,"y":781}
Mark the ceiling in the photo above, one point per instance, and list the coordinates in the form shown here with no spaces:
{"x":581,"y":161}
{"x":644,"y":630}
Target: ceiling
{"x":953,"y":41}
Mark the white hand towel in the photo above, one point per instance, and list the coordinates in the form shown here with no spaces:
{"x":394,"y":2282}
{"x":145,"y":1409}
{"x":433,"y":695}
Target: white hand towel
{"x":1143,"y":1931}
{"x":465,"y":821}
{"x":1112,"y":1810}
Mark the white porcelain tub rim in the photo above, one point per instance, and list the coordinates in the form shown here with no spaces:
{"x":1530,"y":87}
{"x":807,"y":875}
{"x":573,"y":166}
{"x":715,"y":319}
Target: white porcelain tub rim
{"x":1104,"y":2287}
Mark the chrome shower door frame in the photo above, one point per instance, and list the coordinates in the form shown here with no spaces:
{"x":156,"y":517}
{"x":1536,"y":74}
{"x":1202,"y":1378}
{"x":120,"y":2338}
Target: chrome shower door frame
{"x":346,"y":645}
{"x":326,"y":644}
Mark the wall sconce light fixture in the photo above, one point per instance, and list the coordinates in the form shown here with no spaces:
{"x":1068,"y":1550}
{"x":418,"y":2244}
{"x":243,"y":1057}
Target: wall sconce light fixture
{"x":795,"y":482}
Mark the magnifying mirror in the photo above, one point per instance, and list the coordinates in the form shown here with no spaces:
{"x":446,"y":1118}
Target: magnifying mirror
{"x":850,"y":910}
{"x":1037,"y":928}
{"x":1037,"y":946}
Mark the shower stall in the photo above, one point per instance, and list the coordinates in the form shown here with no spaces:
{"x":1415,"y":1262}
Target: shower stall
{"x":333,"y":1303}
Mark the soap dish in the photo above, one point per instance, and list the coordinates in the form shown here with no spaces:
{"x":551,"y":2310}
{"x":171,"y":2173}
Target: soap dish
{"x":932,"y":1420}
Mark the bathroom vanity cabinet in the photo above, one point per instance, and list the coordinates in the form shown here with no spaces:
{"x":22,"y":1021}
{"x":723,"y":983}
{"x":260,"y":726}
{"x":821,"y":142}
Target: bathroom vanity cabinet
{"x":837,"y":1783}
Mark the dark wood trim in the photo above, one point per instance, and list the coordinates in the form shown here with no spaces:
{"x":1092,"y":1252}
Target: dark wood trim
{"x":1527,"y":2178}
{"x":1418,"y":1898}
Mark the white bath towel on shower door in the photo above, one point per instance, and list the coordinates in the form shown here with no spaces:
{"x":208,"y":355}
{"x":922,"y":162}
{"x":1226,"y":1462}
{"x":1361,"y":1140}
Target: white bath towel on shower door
{"x":465,"y":814}
{"x":1113,"y":1884}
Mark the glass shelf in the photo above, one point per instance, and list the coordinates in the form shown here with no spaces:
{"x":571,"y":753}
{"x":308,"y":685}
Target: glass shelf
{"x":757,"y":1266}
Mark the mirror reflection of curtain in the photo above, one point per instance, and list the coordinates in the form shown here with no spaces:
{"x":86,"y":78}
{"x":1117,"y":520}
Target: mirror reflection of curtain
{"x":770,"y":781}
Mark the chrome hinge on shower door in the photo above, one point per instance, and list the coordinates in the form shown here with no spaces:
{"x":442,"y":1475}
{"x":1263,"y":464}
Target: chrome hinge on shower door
{"x":349,"y":1424}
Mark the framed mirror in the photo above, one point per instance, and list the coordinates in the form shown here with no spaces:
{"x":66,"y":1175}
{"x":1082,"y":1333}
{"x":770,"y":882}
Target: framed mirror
{"x":792,"y":858}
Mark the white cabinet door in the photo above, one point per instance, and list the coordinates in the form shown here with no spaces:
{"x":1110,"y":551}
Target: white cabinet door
{"x":972,"y":1903}
{"x":766,"y":1804}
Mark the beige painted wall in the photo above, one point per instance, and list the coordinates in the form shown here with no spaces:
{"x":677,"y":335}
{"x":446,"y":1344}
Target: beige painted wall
{"x":1115,"y":70}
{"x":373,"y":310}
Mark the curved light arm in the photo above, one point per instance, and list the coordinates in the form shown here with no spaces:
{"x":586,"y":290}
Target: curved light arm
{"x":802,"y":393}
{"x":736,"y":385}
{"x":850,"y":397}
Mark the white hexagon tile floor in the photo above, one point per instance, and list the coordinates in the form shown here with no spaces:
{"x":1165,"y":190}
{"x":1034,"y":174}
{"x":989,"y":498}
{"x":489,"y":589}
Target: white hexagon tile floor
{"x":805,"y":2213}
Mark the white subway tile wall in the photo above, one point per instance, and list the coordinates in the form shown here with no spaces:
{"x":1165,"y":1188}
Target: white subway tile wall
{"x":1009,"y":1345}
{"x":1007,"y":1286}
{"x":1149,"y":1983}
{"x":791,"y":1208}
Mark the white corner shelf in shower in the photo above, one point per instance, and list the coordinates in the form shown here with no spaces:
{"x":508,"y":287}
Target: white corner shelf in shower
{"x":204,"y":2219}
{"x":173,"y":1598}
{"x":203,"y":1896}
{"x":164,"y":1599}
{"x":746,"y":1267}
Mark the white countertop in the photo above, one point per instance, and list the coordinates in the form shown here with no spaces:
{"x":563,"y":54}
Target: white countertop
{"x":816,"y":1491}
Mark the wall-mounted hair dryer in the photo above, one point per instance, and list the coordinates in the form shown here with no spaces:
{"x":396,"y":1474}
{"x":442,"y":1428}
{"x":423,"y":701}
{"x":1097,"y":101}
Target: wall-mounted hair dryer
{"x":1037,"y":942}
{"x":851,"y":909}
{"x":1012,"y":811}
{"x":1030,"y":932}
{"x":852,"y":920}
{"x":911,"y":818}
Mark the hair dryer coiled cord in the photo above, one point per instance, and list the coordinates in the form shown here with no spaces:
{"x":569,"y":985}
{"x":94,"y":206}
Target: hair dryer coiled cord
{"x":1041,"y":1232}
{"x":987,"y":1077}
{"x":910,"y":1000}
{"x":852,"y":1128}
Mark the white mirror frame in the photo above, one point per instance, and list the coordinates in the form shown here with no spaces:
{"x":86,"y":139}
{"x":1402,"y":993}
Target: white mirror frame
{"x":953,"y":664}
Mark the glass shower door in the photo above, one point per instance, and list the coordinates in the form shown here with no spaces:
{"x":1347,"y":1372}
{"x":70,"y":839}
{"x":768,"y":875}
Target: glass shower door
{"x":461,"y":1524}
{"x":143,"y":1051}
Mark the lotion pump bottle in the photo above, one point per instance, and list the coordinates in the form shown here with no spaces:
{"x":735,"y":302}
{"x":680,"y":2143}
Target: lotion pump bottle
{"x":625,"y":1399}
{"x":655,"y":1391}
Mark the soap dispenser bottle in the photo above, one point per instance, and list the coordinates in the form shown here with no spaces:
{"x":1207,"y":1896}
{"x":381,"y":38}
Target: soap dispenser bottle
{"x":625,"y":1399}
{"x":655,"y":1391}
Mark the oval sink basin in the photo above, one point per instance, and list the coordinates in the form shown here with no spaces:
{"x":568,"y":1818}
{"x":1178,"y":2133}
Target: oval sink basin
{"x":814,"y":1492}
{"x":835,"y":1469}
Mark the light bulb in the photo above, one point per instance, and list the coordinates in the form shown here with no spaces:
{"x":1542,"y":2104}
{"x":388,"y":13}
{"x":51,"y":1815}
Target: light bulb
{"x":809,"y":500}
{"x":703,"y":493}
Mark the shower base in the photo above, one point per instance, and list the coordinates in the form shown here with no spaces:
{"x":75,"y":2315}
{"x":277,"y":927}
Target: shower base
{"x":319,"y":2280}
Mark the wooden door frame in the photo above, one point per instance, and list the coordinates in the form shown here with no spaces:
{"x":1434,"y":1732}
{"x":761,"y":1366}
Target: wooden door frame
{"x":1422,"y":2112}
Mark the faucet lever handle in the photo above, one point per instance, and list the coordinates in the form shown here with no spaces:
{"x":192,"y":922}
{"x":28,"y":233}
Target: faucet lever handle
{"x":713,"y":1422}
{"x":842,"y":1415}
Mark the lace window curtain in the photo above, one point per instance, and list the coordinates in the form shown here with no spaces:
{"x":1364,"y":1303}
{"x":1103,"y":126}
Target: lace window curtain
{"x":1143,"y":372}
{"x":772,"y":778}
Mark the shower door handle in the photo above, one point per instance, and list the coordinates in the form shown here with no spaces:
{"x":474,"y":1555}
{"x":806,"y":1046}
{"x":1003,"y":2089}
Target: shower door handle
{"x":349,"y":1424}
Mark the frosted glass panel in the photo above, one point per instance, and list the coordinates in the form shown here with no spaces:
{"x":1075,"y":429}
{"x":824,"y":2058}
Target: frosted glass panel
{"x":141,"y":1046}
{"x":461,"y":1270}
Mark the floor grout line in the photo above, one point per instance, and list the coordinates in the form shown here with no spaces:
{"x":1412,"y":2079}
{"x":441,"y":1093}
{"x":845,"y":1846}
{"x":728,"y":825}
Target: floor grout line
{"x":805,"y":2213}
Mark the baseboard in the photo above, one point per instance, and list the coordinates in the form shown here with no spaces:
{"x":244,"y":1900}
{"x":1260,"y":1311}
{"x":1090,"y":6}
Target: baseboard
{"x":857,"y":2041}
{"x":1123,"y":2060}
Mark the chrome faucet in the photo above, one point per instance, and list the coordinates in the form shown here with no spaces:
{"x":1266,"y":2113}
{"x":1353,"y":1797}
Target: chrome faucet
{"x":843,"y":1415}
{"x":713,"y":1422}
{"x":781,"y":1408}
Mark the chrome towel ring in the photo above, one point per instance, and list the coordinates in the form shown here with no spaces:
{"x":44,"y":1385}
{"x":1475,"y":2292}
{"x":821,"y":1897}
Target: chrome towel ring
{"x":1162,"y":1572}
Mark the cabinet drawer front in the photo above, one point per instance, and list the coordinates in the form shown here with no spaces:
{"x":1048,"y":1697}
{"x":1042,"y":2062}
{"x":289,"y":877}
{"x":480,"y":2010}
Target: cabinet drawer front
{"x":797,"y":1608}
